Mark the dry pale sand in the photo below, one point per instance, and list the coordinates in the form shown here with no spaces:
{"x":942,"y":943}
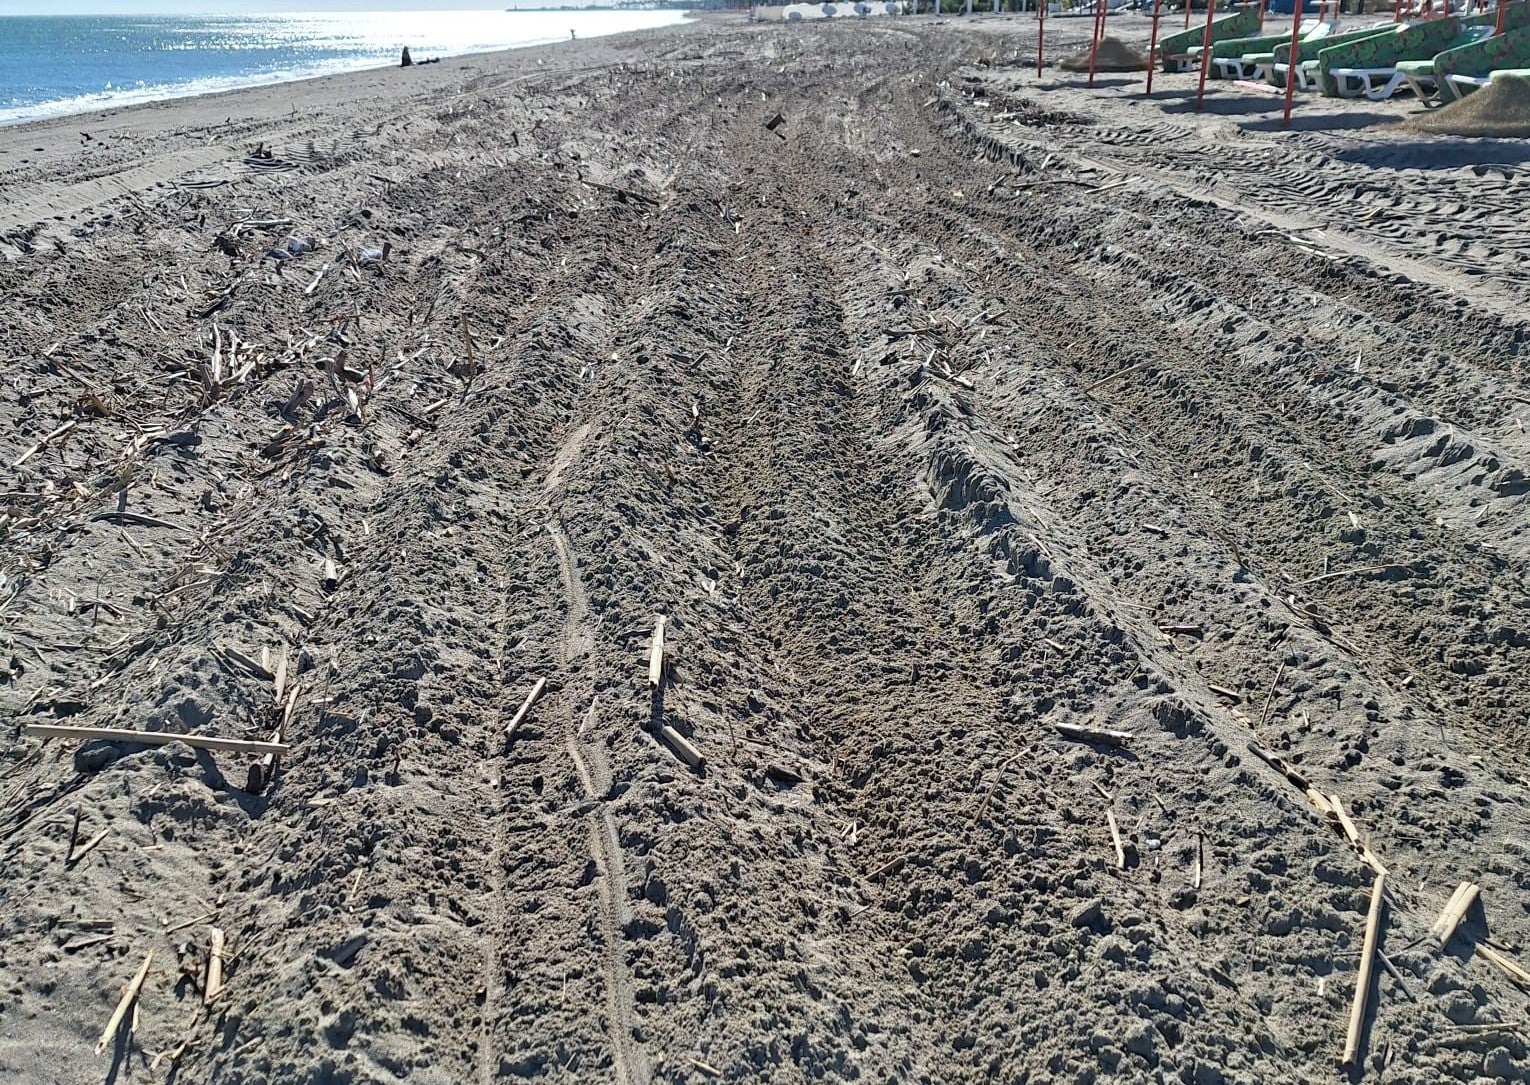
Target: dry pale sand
{"x":955,"y":409}
{"x":1502,"y":108}
{"x":1111,"y":55}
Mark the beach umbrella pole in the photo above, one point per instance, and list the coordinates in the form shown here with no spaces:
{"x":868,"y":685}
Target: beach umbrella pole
{"x":1041,"y":31}
{"x":1200,"y":90}
{"x":1094,"y":40}
{"x":1292,"y":61}
{"x":1153,"y":47}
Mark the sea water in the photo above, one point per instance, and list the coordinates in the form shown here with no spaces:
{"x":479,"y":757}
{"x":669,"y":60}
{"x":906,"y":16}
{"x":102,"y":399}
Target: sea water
{"x":53,"y":65}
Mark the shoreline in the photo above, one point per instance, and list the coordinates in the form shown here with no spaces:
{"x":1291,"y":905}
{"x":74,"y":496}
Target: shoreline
{"x":51,"y":175}
{"x":238,"y":83}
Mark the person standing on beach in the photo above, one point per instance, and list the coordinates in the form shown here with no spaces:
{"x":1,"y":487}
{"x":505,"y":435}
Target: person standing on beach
{"x":570,"y":33}
{"x":407,"y":60}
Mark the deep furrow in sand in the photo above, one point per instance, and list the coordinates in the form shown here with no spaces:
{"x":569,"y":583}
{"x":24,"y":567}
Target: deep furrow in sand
{"x":1193,"y":415}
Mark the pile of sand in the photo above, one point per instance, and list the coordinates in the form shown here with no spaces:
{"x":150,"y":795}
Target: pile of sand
{"x":1113,"y":56}
{"x":1502,"y":108}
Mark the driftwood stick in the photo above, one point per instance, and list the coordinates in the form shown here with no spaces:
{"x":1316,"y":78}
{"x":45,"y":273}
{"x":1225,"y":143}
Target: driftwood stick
{"x":629,"y":193}
{"x":1092,"y":734}
{"x":265,"y":768}
{"x":681,"y":745}
{"x":1386,"y":962}
{"x":1455,"y":911}
{"x":254,"y":666}
{"x":1367,"y":966}
{"x":44,"y":443}
{"x":531,"y":699}
{"x":1515,"y":973}
{"x":1113,"y":376}
{"x":1280,"y":765}
{"x":129,"y":997}
{"x":192,"y":922}
{"x":1352,"y":834}
{"x":1269,"y":698}
{"x":88,"y":847}
{"x":317,"y":279}
{"x":1115,"y":838}
{"x":213,"y":987}
{"x":1358,"y":571}
{"x":150,"y":738}
{"x":656,"y":655}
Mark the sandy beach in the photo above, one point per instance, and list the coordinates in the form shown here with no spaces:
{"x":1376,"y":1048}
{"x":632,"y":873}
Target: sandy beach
{"x":746,"y":552}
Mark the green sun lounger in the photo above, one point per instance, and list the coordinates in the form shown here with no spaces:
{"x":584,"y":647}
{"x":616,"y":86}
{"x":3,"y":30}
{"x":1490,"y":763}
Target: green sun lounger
{"x":1370,"y":68}
{"x":1274,"y":69}
{"x":1173,"y":51}
{"x":1227,"y":57}
{"x":1460,"y":71}
{"x":1469,"y":59}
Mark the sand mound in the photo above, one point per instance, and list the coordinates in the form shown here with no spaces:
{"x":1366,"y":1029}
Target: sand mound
{"x":1502,"y":108}
{"x":1113,"y":56}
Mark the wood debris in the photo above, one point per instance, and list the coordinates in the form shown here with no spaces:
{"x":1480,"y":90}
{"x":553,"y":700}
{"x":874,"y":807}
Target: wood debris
{"x":212,"y":986}
{"x":1093,"y":734}
{"x":656,"y":655}
{"x":681,"y":745}
{"x":1455,"y":911}
{"x":1115,"y":838}
{"x":1505,"y":965}
{"x":1367,"y":966}
{"x":150,"y":738}
{"x":128,"y":1000}
{"x":531,"y":699}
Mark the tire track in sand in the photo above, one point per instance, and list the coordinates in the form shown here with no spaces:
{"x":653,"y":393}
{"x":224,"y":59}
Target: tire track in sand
{"x":594,"y":771}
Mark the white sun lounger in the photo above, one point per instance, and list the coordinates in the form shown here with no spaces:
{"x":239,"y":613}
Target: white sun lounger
{"x":1363,"y":82}
{"x":1307,"y":75}
{"x":1458,"y":82}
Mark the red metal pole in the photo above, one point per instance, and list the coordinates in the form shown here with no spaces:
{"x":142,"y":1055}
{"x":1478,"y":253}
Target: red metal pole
{"x":1499,"y":28}
{"x":1292,"y":61}
{"x":1153,"y":47}
{"x":1187,"y":13}
{"x":1041,"y":31}
{"x":1200,"y":90}
{"x":1094,"y":40}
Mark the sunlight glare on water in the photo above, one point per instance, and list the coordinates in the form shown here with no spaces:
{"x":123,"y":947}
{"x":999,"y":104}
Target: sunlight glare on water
{"x":70,"y":64}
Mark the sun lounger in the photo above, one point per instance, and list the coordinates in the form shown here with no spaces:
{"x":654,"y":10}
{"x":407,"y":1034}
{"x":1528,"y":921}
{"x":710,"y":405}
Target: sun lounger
{"x":1227,"y":57}
{"x":1459,"y":71}
{"x":1419,"y":75}
{"x":1274,"y":70}
{"x":1371,"y":68}
{"x":1173,"y":51}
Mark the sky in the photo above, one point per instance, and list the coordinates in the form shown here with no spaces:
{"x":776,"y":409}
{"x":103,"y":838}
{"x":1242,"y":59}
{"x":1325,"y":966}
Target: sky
{"x":179,"y":7}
